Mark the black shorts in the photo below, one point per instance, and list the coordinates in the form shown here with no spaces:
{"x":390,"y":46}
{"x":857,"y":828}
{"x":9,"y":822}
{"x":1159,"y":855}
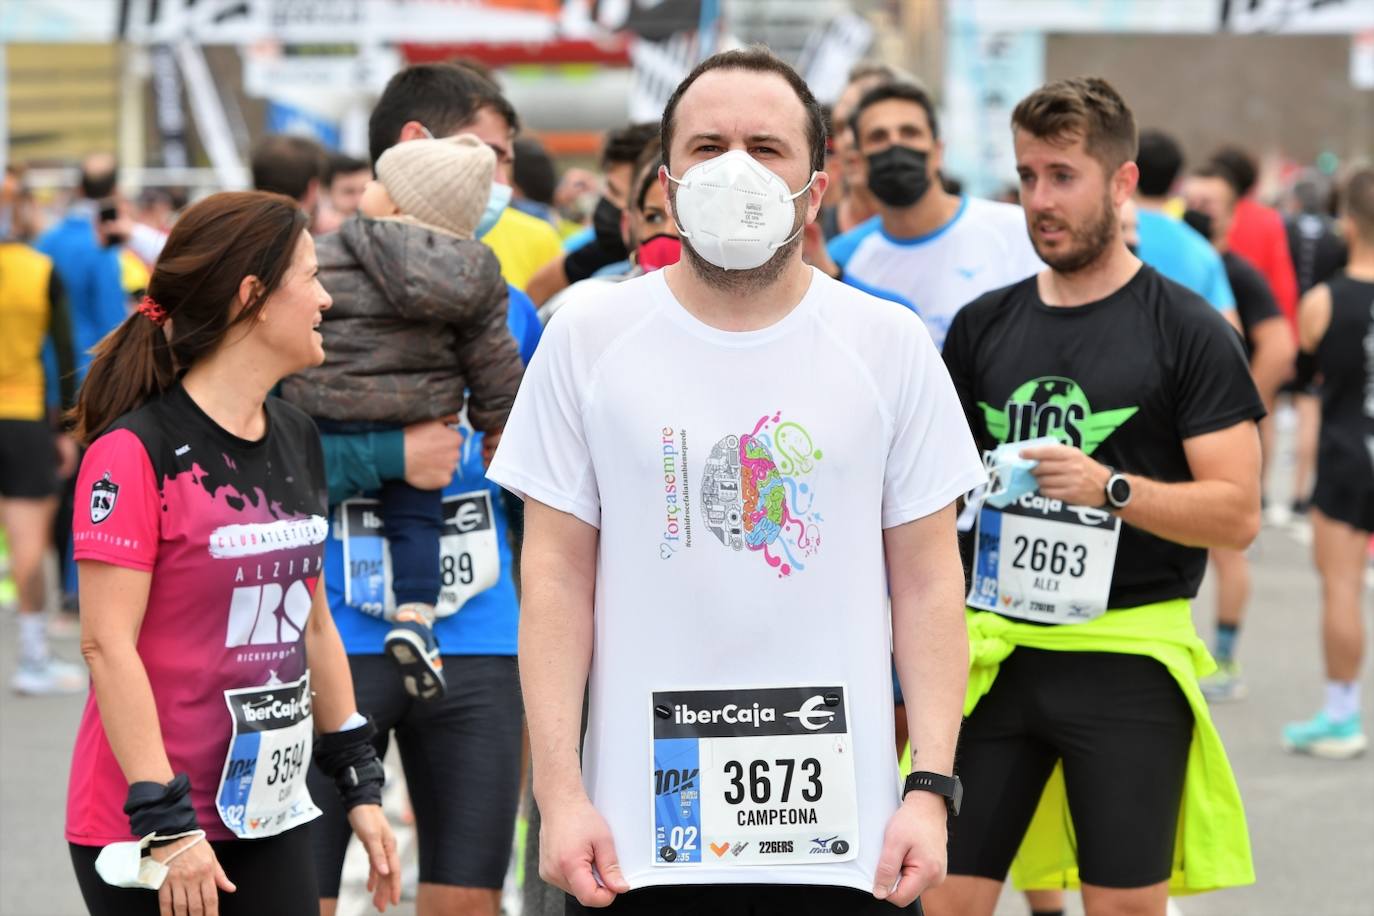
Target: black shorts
{"x":274,"y":877}
{"x":746,"y":900}
{"x":1122,"y":727}
{"x":461,"y":756}
{"x":28,"y":460}
{"x":1337,"y":497}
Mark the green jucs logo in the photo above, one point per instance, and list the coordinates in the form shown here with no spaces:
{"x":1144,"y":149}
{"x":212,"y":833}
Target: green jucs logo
{"x":1053,"y":406}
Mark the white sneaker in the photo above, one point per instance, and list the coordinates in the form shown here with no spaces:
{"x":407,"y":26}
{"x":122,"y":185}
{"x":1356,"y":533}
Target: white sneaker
{"x":48,"y":677}
{"x":1278,"y":515}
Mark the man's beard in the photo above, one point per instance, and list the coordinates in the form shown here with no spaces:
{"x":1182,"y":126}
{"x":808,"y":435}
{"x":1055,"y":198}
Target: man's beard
{"x":1088,"y":242}
{"x":742,"y":282}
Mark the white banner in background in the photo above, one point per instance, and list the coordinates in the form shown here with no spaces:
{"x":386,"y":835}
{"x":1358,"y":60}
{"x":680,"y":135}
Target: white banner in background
{"x":831,"y":52}
{"x":1341,"y":17}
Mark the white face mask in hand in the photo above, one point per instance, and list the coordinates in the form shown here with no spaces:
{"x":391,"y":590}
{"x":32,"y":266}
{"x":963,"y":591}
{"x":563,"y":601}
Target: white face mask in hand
{"x":125,"y":865}
{"x":734,"y":211}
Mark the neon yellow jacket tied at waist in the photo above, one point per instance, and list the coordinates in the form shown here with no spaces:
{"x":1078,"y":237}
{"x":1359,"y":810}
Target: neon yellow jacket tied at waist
{"x":1212,"y":849}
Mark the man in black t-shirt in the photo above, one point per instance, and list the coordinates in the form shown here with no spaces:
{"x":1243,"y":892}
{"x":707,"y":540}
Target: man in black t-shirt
{"x":1314,"y":240}
{"x":1319,"y":252}
{"x":1211,"y":200}
{"x":1083,"y":650}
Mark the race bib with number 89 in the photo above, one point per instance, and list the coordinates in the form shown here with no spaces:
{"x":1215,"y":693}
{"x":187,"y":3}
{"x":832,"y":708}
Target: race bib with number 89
{"x":469,"y":554}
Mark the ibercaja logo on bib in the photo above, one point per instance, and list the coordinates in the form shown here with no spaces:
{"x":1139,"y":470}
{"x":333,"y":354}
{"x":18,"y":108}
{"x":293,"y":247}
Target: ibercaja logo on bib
{"x":104,"y":493}
{"x":755,"y":494}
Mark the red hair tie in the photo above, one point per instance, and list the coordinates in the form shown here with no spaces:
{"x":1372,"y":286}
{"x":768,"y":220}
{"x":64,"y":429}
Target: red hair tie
{"x":149,"y":309}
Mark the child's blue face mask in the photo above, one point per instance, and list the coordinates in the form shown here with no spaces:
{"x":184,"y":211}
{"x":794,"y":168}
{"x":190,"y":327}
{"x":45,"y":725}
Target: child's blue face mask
{"x":1009,"y":475}
{"x":497,"y":202}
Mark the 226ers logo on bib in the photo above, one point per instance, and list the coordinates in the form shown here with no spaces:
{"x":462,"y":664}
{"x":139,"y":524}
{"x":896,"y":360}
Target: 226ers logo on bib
{"x":753,"y":776}
{"x":104,"y":493}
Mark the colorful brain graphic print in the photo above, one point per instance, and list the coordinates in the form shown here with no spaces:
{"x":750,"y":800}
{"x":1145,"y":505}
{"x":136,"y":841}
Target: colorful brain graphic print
{"x":756,"y":495}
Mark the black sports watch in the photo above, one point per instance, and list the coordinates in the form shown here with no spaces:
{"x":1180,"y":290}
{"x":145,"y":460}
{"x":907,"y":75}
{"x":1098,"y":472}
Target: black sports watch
{"x":1118,"y":491}
{"x":948,"y":786}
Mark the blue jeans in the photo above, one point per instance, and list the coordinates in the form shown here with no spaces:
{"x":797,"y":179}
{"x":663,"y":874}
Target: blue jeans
{"x":412,"y":521}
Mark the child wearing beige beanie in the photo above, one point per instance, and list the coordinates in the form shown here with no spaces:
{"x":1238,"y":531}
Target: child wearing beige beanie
{"x":417,"y":332}
{"x":443,"y":184}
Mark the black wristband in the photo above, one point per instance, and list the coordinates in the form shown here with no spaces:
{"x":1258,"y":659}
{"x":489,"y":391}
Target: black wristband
{"x":165,"y":810}
{"x":1306,"y":367}
{"x":350,"y":760}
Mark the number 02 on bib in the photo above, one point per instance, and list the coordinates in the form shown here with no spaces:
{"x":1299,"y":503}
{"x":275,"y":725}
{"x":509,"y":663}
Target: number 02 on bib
{"x":753,"y":776}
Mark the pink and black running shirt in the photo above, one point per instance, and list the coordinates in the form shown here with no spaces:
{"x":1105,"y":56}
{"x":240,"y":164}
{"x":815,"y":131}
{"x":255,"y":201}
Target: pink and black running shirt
{"x":233,"y":534}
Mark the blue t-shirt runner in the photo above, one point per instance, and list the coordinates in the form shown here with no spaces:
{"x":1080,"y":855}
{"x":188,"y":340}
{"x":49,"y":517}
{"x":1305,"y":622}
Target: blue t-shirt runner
{"x":1180,"y":253}
{"x":460,"y":753}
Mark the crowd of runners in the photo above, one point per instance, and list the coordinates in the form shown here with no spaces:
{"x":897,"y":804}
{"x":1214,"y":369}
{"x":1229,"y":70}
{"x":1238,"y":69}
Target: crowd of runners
{"x":677,"y":494}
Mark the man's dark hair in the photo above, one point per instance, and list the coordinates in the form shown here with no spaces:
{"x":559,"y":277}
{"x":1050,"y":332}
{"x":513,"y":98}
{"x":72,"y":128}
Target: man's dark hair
{"x":1086,"y":107}
{"x":1160,"y":159}
{"x":906,"y":92}
{"x":1217,"y":170}
{"x":1357,"y":200}
{"x":534,"y":174}
{"x":626,"y":144}
{"x":340,"y":164}
{"x":756,"y":59}
{"x":98,"y":184}
{"x":1240,"y":168}
{"x":646,"y":172}
{"x":1313,"y":192}
{"x":475,"y":65}
{"x":442,"y":97}
{"x":285,"y":164}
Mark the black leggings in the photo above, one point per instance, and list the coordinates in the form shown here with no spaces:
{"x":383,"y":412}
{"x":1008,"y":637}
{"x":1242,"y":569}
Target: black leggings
{"x":275,"y":877}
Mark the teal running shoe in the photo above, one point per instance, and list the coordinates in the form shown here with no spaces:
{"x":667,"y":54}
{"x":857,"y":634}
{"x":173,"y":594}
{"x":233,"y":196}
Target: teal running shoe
{"x":1322,"y":737}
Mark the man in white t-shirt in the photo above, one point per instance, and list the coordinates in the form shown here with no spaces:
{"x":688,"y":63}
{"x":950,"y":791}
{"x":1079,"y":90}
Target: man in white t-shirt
{"x":726,"y":465}
{"x":939,"y":250}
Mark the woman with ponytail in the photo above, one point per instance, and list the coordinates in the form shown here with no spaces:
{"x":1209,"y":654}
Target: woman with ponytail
{"x":216,"y":671}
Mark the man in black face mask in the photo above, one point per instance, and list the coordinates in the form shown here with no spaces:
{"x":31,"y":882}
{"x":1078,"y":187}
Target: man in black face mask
{"x":937,"y":249}
{"x":605,"y":246}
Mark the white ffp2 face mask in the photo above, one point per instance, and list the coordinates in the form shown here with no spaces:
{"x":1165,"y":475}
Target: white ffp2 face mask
{"x":125,"y":865}
{"x":734,"y":211}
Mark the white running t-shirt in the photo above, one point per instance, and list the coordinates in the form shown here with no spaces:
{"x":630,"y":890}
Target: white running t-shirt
{"x":740,"y":726}
{"x":984,"y":247}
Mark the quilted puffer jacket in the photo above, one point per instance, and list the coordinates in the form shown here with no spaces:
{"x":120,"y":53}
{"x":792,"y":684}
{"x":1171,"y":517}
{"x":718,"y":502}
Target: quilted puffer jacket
{"x":418,"y":320}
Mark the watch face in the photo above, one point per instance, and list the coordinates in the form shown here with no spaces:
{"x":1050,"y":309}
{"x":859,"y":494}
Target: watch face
{"x":1120,"y":490}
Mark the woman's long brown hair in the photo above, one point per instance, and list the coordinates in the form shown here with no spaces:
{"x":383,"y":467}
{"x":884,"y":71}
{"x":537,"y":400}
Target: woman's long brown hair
{"x":214,"y":245}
